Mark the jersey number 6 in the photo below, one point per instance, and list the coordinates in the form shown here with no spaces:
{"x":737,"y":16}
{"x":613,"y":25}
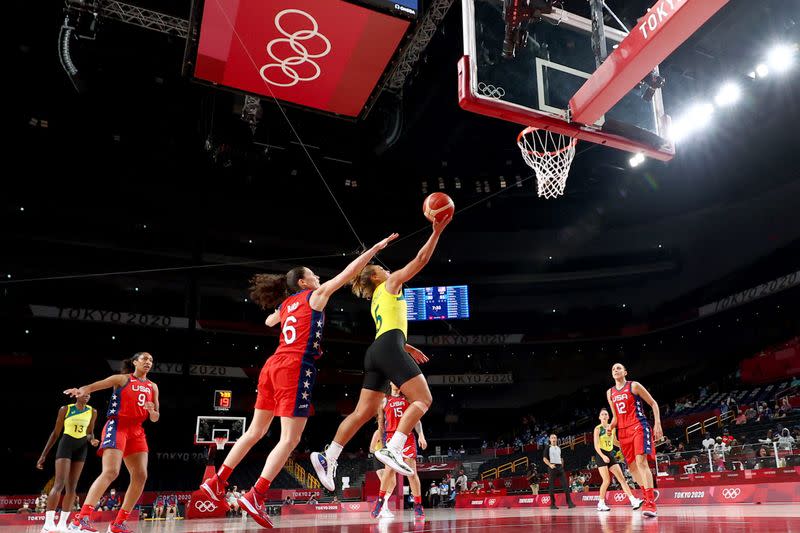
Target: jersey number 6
{"x":289,"y":333}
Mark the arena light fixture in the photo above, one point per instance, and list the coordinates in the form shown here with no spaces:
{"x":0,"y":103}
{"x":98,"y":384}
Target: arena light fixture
{"x":762,"y":71}
{"x":636,"y":160}
{"x":728,"y":94}
{"x":780,"y":57}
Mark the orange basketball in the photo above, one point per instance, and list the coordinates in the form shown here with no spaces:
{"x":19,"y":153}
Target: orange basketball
{"x":437,"y":206}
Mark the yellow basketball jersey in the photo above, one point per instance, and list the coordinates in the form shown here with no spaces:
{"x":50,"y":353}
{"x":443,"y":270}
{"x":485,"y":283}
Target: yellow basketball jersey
{"x":606,"y":438}
{"x":389,"y":311}
{"x":76,"y":422}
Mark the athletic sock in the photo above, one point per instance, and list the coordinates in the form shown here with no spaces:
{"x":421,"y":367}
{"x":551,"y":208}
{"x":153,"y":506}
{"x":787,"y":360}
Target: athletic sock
{"x":418,"y":500}
{"x":224,"y":473}
{"x":648,"y":495}
{"x":86,"y":510}
{"x":381,"y":494}
{"x":333,"y":451}
{"x":62,"y":520}
{"x":397,"y":441}
{"x":261,"y":487}
{"x":122,"y":515}
{"x":50,"y":519}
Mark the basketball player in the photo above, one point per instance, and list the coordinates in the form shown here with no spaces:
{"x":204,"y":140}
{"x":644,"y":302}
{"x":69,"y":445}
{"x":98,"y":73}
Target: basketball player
{"x":287,"y":379}
{"x":604,"y":440}
{"x":633,"y":430}
{"x":75,"y":424}
{"x":376,"y":444}
{"x":389,"y":358}
{"x":388,"y":419}
{"x":134,"y":400}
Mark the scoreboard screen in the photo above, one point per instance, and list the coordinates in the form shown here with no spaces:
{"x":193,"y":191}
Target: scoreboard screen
{"x":437,"y":303}
{"x":222,"y":400}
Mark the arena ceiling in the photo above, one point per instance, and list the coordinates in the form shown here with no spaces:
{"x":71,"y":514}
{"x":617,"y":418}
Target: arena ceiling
{"x":145,"y":170}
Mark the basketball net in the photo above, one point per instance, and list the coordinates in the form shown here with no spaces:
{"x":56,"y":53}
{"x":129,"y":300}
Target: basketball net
{"x":550,"y":156}
{"x":220,"y":442}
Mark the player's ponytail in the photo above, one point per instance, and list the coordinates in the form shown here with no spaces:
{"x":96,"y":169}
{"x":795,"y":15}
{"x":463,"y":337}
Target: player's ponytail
{"x":269,"y":290}
{"x":127,"y":364}
{"x":363,"y":286}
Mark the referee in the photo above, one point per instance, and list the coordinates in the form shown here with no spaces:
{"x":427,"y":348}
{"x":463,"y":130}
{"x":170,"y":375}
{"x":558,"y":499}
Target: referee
{"x":552,"y":458}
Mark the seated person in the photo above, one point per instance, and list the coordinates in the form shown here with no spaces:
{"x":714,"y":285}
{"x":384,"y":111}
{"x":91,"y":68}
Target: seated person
{"x":171,"y":504}
{"x":232,"y":497}
{"x":110,"y":502}
{"x":158,"y":507}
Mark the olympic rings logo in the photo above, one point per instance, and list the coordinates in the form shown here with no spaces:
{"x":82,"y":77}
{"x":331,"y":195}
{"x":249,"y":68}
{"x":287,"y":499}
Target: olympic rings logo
{"x":545,"y":499}
{"x":205,"y":506}
{"x":355,"y":506}
{"x":731,"y":494}
{"x":491,"y":501}
{"x":619,"y":497}
{"x":303,"y":57}
{"x":491,"y":91}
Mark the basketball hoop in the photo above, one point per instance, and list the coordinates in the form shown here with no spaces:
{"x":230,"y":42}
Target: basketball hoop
{"x":220,"y":442}
{"x":550,"y":156}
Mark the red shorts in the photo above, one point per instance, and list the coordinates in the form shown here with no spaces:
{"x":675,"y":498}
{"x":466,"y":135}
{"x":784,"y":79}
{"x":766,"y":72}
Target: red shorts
{"x":285,"y":386}
{"x":409,"y":448}
{"x":636,"y":440}
{"x":128,"y":437}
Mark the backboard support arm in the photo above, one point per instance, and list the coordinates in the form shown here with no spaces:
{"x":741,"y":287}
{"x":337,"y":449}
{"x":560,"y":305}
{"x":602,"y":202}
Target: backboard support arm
{"x":665,"y":26}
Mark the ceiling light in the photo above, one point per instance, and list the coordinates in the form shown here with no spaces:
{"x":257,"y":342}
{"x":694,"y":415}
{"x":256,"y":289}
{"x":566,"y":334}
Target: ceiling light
{"x":728,"y":94}
{"x":636,"y":160}
{"x":781,"y":57}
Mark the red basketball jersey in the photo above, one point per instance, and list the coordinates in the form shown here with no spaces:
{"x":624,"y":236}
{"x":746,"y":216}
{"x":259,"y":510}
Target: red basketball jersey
{"x":301,"y":327}
{"x":128,"y":401}
{"x":393,"y":412}
{"x":627,"y":406}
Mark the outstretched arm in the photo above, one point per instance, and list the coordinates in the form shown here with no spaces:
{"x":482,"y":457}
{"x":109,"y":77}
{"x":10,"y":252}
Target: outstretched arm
{"x":90,"y":431}
{"x":153,"y":407}
{"x":273,"y":319}
{"x":613,"y":422}
{"x":319,"y":299}
{"x":117,"y":380}
{"x":57,"y":429}
{"x":396,"y":279}
{"x":421,"y":436}
{"x":416,"y":354}
{"x":638,"y":389}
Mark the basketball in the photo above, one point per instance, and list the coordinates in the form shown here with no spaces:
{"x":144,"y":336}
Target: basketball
{"x":437,"y":206}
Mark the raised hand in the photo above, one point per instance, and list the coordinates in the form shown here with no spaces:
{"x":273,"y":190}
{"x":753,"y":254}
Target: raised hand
{"x":380,"y":245}
{"x":75,"y":393}
{"x":439,"y":225}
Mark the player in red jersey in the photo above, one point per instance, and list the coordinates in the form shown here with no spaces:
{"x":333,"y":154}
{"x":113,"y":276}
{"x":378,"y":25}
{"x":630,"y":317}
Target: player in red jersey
{"x":636,"y":439}
{"x":388,"y":420}
{"x":286,"y":382}
{"x":134,"y":400}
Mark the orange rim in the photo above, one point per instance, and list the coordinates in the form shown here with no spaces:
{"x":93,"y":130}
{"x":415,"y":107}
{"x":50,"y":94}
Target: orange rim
{"x":531,"y":129}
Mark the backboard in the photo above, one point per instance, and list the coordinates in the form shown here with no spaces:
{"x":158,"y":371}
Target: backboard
{"x":527,"y":69}
{"x":209,"y":427}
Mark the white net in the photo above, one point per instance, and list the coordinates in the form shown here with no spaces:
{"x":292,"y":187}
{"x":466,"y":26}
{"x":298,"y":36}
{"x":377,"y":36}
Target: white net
{"x":550,"y":156}
{"x":220,"y":442}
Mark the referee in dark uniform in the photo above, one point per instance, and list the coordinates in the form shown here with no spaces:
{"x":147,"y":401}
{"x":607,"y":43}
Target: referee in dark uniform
{"x":555,"y":463}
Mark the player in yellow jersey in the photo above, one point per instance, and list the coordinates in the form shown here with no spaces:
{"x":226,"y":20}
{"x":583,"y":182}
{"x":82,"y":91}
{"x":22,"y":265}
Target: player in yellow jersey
{"x":605,"y":438}
{"x":75,"y":425}
{"x":389,"y":358}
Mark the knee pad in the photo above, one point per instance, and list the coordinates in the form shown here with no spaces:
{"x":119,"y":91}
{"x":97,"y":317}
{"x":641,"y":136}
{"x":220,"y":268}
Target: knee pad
{"x":421,"y":406}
